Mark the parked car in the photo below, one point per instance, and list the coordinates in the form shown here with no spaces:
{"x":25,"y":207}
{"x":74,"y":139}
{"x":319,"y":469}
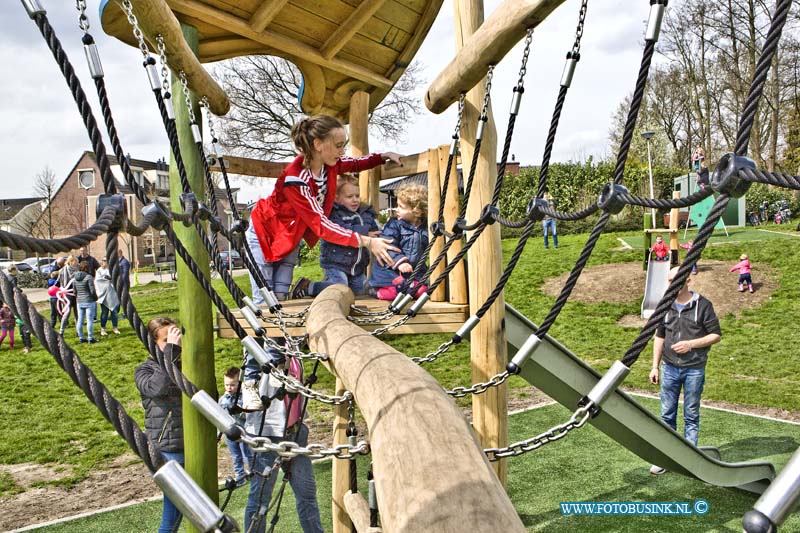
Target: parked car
{"x":235,"y":258}
{"x":46,"y":269}
{"x":36,"y":263}
{"x":24,"y":267}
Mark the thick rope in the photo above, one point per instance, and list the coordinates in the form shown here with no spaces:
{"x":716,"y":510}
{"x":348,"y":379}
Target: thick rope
{"x":65,"y":244}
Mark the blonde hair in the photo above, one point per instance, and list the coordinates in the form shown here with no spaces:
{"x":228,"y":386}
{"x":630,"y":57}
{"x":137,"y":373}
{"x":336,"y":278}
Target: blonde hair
{"x":743,"y":257}
{"x":415,"y":197}
{"x":308,"y":129}
{"x":71,"y":259}
{"x":345,"y":179}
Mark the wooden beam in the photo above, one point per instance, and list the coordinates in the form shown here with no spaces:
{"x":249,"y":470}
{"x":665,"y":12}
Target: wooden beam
{"x":156,"y":18}
{"x":487,"y":46}
{"x":234,"y":24}
{"x":434,"y":201}
{"x":267,"y":11}
{"x":430,"y":473}
{"x":412,"y":164}
{"x":251,"y":167}
{"x":350,"y":27}
{"x":487,"y":340}
{"x":457,"y":279}
{"x":359,"y":136}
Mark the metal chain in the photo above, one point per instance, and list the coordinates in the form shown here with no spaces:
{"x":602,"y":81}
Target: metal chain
{"x":461,"y":99}
{"x":576,"y":47}
{"x":523,"y":69}
{"x":389,"y":327}
{"x":351,"y":419}
{"x":479,"y":388}
{"x":211,"y":130}
{"x":162,"y":54}
{"x":292,"y":385}
{"x":487,"y":95}
{"x":281,"y":313}
{"x":577,"y":420}
{"x":372,"y":319}
{"x":433,"y":356}
{"x":363,"y":312}
{"x":137,"y":31}
{"x":83,"y":20}
{"x":291,"y":449}
{"x":187,"y":96}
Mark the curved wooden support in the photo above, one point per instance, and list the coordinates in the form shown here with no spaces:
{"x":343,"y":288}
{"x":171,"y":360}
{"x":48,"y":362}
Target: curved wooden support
{"x":431,"y":474}
{"x":358,"y":509}
{"x":487,"y":46}
{"x":155,"y":17}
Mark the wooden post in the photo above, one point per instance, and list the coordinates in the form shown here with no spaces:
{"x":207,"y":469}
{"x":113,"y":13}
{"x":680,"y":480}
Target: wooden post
{"x":487,"y":341}
{"x":457,"y":280}
{"x":430,"y":473}
{"x":434,"y":197}
{"x":359,"y":137}
{"x":674,"y":221}
{"x":194,"y":305}
{"x":340,"y":474}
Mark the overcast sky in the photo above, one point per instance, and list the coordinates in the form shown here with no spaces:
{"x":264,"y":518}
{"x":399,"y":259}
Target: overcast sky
{"x":40,"y":124}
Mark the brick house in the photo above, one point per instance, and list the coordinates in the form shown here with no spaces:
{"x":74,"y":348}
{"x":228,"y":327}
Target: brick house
{"x":19,"y":215}
{"x":74,"y":203}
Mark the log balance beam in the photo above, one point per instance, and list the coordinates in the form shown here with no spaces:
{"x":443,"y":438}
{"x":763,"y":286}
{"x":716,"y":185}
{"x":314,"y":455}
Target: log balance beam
{"x":430,"y":472}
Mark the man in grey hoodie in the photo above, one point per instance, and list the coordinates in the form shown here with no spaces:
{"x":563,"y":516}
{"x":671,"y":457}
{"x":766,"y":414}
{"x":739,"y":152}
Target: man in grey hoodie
{"x":683,"y":340}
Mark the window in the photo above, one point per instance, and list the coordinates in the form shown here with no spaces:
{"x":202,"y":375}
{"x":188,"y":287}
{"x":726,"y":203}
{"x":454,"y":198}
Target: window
{"x":162,"y":181}
{"x":86,"y":178}
{"x":148,"y":245}
{"x":138,"y":177}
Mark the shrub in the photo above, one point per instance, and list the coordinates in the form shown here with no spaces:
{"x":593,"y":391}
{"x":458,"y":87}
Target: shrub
{"x":31,"y":280}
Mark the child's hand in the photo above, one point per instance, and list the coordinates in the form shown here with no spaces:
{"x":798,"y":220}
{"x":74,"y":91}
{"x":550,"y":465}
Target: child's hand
{"x":405,"y":268}
{"x":393,"y":157}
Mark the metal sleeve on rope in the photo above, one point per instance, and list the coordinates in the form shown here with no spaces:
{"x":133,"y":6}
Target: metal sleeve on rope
{"x":190,"y":499}
{"x":522,"y":355}
{"x":608,"y":383}
{"x":272,"y":301}
{"x":465,"y":328}
{"x":198,"y":137}
{"x":254,"y":349}
{"x":654,"y":21}
{"x":516,"y":100}
{"x":152,"y":74}
{"x":414,"y":309}
{"x":93,"y":59}
{"x":168,"y":106}
{"x":569,"y":70}
{"x":252,"y":321}
{"x":404,"y":300}
{"x":34,"y":8}
{"x":219,"y":417}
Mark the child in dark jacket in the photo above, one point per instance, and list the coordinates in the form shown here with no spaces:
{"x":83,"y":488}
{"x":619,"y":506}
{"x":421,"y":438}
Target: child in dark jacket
{"x":344,"y":265}
{"x":407,"y":232}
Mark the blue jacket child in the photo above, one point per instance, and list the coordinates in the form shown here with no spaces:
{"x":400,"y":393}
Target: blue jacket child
{"x":352,"y":261}
{"x":411,"y":240}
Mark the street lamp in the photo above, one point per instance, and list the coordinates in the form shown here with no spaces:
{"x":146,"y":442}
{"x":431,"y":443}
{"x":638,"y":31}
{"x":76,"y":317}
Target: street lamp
{"x":647,"y":136}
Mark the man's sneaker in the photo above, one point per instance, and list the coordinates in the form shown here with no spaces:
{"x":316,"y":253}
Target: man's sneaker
{"x":93,"y":341}
{"x":657,"y":470}
{"x":300,"y":289}
{"x":251,"y":401}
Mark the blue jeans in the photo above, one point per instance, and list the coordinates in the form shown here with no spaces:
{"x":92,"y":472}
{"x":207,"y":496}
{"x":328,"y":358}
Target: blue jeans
{"x":278,"y":273}
{"x":303,"y":484}
{"x":239,"y":452}
{"x":105,"y":312}
{"x":334,"y":276}
{"x":86,"y":311}
{"x":692,"y":381}
{"x":170,"y":515}
{"x":551,"y":224}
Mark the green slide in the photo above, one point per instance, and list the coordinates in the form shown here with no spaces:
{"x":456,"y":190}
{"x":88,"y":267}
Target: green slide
{"x":560,"y":374}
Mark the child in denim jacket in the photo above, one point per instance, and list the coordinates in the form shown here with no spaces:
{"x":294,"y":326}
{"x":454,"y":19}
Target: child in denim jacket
{"x":344,"y":265}
{"x":239,"y":450}
{"x":407,"y":232}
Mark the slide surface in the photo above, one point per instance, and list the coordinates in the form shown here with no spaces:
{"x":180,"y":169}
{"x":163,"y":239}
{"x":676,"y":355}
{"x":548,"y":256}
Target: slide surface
{"x":563,"y":376}
{"x":655,"y":285}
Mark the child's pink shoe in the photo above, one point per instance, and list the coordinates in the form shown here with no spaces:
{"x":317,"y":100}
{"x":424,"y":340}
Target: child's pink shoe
{"x":741,"y":288}
{"x":386,"y":293}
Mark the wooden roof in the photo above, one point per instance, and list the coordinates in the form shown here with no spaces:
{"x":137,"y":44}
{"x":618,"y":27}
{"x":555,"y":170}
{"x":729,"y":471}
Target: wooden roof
{"x":340,"y":46}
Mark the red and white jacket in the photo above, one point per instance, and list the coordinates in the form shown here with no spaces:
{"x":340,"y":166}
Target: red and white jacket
{"x":292,"y":212}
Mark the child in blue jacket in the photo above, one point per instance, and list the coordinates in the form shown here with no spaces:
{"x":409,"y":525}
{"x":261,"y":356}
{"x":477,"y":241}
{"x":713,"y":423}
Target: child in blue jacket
{"x":344,"y":265}
{"x":409,"y":233}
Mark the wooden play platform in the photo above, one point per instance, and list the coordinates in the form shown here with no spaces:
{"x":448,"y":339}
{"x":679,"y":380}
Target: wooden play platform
{"x":434,"y":317}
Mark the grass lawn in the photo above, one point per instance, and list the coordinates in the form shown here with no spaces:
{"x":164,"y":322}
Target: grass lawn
{"x":755,"y":364}
{"x":734,"y":236}
{"x":585,"y":466}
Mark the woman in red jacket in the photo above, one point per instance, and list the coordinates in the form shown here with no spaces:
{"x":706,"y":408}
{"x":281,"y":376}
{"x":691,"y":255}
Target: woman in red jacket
{"x":299,"y":206}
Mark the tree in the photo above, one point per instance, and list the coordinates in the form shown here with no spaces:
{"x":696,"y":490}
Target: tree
{"x":264,"y":93}
{"x":44,"y":185}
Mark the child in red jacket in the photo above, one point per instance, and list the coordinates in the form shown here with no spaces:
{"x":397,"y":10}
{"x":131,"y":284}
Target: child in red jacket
{"x":660,"y":249}
{"x":743,"y":266}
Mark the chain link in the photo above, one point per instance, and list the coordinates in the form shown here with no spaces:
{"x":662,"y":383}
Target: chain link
{"x":462,"y":98}
{"x":576,"y":47}
{"x":83,"y":20}
{"x":162,"y":53}
{"x":187,"y":96}
{"x":211,"y":130}
{"x":388,"y":313}
{"x":433,"y":356}
{"x":137,"y":31}
{"x":389,"y":327}
{"x":577,"y":420}
{"x":292,"y":385}
{"x":280,"y":313}
{"x":523,"y":69}
{"x":479,"y":388}
{"x":291,"y":449}
{"x":487,"y":95}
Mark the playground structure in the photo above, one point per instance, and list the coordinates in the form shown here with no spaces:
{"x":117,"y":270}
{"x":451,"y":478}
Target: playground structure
{"x":538,"y":358}
{"x":656,"y":282}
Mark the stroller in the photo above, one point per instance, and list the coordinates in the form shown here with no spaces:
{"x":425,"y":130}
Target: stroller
{"x":783,"y":215}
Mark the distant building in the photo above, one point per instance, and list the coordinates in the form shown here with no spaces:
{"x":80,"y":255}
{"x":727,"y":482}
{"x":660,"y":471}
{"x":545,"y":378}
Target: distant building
{"x":74,"y":207}
{"x":18,"y":215}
